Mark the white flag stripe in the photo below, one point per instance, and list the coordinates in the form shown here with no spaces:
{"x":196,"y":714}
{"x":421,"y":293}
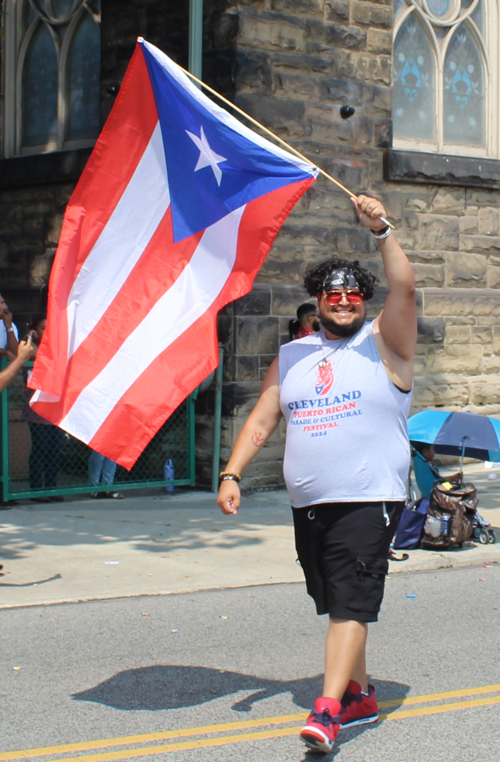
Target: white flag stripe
{"x":224,"y":116}
{"x":121,"y":244}
{"x":186,"y":301}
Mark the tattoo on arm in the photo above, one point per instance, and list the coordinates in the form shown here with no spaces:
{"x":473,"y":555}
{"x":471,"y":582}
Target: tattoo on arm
{"x":257,"y":439}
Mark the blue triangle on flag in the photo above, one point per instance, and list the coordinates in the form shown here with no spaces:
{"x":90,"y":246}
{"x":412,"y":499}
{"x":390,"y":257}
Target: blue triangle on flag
{"x":212,"y":169}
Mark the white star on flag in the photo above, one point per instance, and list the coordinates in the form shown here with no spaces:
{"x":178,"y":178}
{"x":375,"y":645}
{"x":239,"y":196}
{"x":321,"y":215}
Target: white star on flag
{"x":208,"y":157}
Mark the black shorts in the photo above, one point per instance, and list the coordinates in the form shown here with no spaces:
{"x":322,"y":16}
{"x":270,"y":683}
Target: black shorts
{"x":343,"y":550}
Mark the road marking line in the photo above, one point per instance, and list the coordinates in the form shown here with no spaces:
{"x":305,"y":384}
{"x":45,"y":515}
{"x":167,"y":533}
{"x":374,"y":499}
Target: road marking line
{"x":441,"y":708}
{"x":204,"y":743}
{"x":439,"y":696}
{"x":240,"y":725}
{"x":143,"y":738}
{"x":201,"y":743}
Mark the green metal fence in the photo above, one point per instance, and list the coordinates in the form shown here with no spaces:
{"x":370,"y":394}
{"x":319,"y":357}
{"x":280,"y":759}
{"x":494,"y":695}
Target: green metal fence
{"x":41,"y":461}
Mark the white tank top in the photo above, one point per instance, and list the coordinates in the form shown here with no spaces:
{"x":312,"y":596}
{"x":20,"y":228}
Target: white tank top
{"x":346,"y":435}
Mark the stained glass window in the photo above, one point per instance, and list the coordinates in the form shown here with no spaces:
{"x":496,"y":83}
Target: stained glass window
{"x":83,"y":71}
{"x":441,"y":93}
{"x":52,"y":75}
{"x":413,"y":94}
{"x":440,"y":8}
{"x":62,"y":7}
{"x":40,"y":84}
{"x":463,"y":91}
{"x":28,"y":15}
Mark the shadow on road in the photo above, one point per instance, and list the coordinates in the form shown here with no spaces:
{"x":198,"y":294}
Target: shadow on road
{"x":173,"y":687}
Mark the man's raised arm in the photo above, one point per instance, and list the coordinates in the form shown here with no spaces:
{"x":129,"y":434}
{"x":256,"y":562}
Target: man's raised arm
{"x":398,"y":320}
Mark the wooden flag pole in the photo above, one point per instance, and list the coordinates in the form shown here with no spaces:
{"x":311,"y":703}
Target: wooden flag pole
{"x":276,"y":137}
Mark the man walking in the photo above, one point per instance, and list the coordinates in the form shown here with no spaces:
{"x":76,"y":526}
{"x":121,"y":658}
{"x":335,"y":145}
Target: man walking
{"x":345,"y":392}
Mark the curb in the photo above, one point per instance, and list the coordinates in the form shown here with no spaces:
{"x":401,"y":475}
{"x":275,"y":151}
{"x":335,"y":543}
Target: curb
{"x":476,"y":555}
{"x":436,"y":562}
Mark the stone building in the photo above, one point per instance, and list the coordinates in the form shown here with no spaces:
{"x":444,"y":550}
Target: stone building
{"x":423,"y":78}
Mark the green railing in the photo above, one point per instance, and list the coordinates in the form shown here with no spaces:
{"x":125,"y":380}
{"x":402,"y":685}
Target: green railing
{"x":42,"y":461}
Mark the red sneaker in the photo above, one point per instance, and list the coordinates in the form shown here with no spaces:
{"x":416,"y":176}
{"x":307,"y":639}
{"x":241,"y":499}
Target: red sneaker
{"x":358,"y":708}
{"x":322,"y":726}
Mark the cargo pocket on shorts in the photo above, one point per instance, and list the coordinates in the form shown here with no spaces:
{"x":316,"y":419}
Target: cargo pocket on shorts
{"x":370,"y":581}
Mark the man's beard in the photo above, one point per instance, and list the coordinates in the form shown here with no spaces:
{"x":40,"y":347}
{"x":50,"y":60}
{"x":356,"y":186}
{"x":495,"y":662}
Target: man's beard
{"x":343,"y":331}
{"x":316,"y":325}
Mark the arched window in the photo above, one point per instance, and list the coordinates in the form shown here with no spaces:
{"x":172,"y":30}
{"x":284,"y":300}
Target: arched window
{"x":414,"y":106}
{"x":445,"y":95}
{"x":52,"y":74}
{"x":464,"y":102}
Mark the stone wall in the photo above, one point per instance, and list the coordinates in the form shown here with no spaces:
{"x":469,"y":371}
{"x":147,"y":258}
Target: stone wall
{"x":30,"y":225}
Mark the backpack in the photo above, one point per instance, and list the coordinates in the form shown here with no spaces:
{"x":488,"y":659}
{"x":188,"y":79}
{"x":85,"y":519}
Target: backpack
{"x":451,"y":513}
{"x":411,"y":525}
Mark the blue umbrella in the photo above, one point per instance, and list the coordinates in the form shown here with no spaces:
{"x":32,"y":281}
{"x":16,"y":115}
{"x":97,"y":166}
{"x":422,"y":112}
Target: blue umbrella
{"x":465,"y":434}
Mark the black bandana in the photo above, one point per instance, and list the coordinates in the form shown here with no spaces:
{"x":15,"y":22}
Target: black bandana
{"x":343,"y":278}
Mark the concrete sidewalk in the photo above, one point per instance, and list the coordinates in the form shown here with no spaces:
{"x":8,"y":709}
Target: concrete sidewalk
{"x":157,"y":544}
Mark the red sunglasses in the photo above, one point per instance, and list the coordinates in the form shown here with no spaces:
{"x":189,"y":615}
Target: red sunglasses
{"x":335,"y":297}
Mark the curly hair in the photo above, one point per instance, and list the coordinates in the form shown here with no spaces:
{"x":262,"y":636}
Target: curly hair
{"x":315,"y":276}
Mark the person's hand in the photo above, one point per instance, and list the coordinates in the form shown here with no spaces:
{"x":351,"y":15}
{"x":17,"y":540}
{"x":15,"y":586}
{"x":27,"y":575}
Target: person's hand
{"x":7,"y":318}
{"x":10,"y":355}
{"x":229,"y":496}
{"x":25,"y":349}
{"x":369,"y":210}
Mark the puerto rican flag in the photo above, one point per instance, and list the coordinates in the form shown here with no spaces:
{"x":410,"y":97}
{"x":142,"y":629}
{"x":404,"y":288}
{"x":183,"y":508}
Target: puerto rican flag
{"x":172,"y":218}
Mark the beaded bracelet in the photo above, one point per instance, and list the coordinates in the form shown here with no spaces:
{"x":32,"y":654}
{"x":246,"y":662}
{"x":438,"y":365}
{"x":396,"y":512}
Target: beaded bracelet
{"x":229,"y":475}
{"x":227,"y":479}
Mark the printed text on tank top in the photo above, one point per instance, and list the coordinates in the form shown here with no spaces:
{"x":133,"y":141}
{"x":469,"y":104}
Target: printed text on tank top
{"x":336,"y":395}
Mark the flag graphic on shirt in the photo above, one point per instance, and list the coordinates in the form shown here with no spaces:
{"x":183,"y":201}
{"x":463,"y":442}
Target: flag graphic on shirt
{"x":324,"y":378}
{"x":172,"y":218}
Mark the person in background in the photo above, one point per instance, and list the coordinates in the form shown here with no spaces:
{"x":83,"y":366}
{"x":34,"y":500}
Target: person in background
{"x":9,"y":337}
{"x":425,"y":471}
{"x":10,"y":372}
{"x":102,"y":472}
{"x":307,"y":322}
{"x":24,"y":350}
{"x":46,"y":439}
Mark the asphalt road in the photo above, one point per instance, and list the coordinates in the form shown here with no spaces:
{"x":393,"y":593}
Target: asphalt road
{"x":162,"y":677}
